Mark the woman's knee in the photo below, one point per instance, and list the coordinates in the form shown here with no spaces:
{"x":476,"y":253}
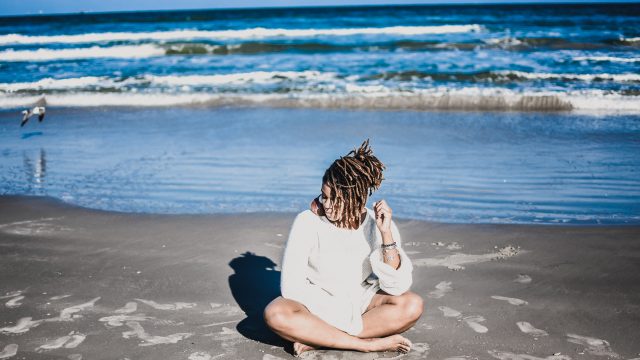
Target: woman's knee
{"x":278,"y":313}
{"x":412,"y":306}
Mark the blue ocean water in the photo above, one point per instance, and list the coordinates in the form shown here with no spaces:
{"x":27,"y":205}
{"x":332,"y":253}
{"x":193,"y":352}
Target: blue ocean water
{"x":466,"y":167}
{"x":242,"y":110}
{"x":579,"y":57}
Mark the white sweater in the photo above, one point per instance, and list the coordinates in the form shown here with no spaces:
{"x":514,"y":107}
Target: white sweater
{"x":335,"y":272}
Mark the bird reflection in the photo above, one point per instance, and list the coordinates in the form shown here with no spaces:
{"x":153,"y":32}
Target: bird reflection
{"x":35,"y":169}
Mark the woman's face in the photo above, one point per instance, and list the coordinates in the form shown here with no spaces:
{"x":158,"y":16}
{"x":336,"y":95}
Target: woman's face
{"x":330,"y":211}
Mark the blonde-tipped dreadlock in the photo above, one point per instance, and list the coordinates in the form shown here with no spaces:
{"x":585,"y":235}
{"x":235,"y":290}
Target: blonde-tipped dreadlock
{"x":353,"y":178}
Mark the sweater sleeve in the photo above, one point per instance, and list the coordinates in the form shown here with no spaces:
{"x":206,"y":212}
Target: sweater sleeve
{"x":393,"y":281}
{"x":294,"y":284}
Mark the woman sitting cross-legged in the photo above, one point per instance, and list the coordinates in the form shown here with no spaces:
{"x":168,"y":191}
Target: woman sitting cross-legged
{"x":345,"y":278}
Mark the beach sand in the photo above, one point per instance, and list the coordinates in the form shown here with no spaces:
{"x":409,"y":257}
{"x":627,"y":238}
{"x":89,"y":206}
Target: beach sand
{"x":85,"y":284}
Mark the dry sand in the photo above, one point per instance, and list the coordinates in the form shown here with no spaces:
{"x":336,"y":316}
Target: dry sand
{"x":84,"y":284}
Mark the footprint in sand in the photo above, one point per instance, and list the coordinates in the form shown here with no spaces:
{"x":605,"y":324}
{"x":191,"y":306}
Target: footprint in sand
{"x":421,"y":349}
{"x":119,"y":320}
{"x":11,"y":294}
{"x":67,"y":314}
{"x":455,"y":261}
{"x":225,"y":309}
{"x":441,"y":290}
{"x":15,"y":302}
{"x":272,"y":357}
{"x":523,"y":279}
{"x":449,"y":312}
{"x":593,"y":346}
{"x":22,"y":326}
{"x":148,"y":340}
{"x":512,"y":301}
{"x":201,"y":355}
{"x":174,"y":306}
{"x":69,"y":342}
{"x":527,"y":328}
{"x":224,"y":334}
{"x":503,"y":355}
{"x":9,"y":351}
{"x":474,"y":321}
{"x":129,"y":307}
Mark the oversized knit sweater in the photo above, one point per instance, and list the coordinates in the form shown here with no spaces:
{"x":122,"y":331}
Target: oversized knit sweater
{"x":335,"y":272}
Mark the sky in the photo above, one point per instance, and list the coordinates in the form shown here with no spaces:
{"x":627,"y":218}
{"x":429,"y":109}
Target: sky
{"x":14,"y":7}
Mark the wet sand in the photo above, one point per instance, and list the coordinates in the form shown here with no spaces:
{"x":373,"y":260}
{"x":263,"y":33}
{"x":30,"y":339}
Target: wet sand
{"x":85,"y":284}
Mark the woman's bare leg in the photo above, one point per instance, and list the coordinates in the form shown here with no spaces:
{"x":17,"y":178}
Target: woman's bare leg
{"x":388,"y":314}
{"x":292,"y":321}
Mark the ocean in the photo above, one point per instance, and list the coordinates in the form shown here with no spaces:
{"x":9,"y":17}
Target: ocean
{"x":580,"y":57}
{"x":482,"y":113}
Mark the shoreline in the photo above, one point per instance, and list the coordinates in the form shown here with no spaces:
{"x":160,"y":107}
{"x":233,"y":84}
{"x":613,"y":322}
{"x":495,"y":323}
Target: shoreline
{"x":60,"y":202}
{"x":81,"y":283}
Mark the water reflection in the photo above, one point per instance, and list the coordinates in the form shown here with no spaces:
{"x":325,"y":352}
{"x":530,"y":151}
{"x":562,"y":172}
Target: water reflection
{"x":35,"y":170}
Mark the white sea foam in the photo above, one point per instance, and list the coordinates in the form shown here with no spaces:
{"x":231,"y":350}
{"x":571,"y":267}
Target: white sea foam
{"x":253,"y":33}
{"x":126,"y":51}
{"x":246,"y":78}
{"x":607,"y":58}
{"x":438,"y":98}
{"x":633,"y":39}
{"x":259,"y":77}
{"x":53,"y":84}
{"x":581,"y":77}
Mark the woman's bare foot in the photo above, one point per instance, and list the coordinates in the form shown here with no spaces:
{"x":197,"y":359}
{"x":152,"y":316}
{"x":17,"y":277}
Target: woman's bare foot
{"x":299,"y":348}
{"x":390,"y":343}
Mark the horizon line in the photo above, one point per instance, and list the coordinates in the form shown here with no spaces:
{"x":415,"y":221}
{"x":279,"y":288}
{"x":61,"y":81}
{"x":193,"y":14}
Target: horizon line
{"x":474,"y":3}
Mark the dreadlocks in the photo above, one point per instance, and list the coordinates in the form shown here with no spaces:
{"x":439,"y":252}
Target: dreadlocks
{"x":353,"y":178}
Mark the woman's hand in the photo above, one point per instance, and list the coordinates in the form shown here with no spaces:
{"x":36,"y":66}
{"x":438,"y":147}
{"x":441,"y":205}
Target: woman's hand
{"x":383,"y":216}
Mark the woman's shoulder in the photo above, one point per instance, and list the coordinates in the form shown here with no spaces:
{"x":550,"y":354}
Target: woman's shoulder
{"x":307,"y":216}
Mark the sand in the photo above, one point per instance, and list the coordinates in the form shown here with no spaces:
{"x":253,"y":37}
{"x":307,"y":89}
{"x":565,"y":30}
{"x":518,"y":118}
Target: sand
{"x":85,"y":284}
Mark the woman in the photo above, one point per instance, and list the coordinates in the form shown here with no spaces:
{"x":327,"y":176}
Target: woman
{"x":345,"y":278}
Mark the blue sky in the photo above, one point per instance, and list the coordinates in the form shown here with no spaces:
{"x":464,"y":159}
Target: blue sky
{"x":13,"y":7}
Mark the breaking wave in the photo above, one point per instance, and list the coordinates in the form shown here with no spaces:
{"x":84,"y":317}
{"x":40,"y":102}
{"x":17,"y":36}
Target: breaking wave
{"x":308,"y":78}
{"x":253,"y":33}
{"x":126,"y":51}
{"x":607,"y":59}
{"x":358,"y":97}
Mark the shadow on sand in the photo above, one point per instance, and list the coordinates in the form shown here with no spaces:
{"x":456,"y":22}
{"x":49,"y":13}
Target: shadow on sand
{"x":254,"y":285}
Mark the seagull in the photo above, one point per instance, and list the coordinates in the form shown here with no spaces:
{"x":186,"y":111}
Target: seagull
{"x":38,"y":109}
{"x":26,"y":114}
